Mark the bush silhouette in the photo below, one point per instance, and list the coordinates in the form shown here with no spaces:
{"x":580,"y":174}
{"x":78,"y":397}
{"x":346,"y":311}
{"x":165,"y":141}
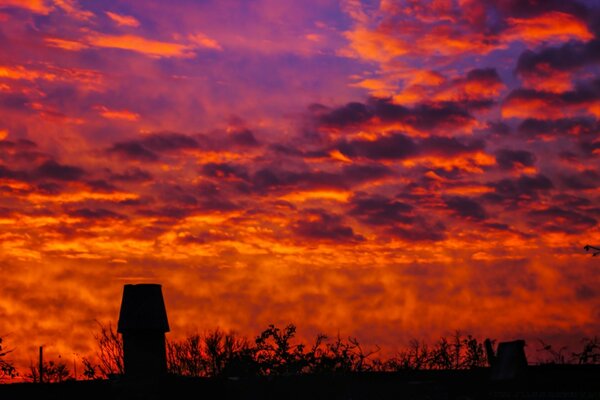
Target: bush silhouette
{"x":7,"y":368}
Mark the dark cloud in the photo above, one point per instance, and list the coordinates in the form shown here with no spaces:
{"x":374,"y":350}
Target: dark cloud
{"x":202,"y":238}
{"x":357,"y":173}
{"x":96,"y":214}
{"x":244,"y":138}
{"x":53,"y":170}
{"x":585,"y":93}
{"x":274,"y":178}
{"x":391,"y":147}
{"x":225,"y":170}
{"x":425,"y":117}
{"x":379,"y":210}
{"x":148,"y":147}
{"x":537,"y":128}
{"x":133,"y":150}
{"x":131,"y":175}
{"x":588,"y":179}
{"x":349,"y":115}
{"x":487,"y":76}
{"x":509,"y":159}
{"x":177,"y":195}
{"x":321,"y":225}
{"x":422,"y":230}
{"x":49,"y":188}
{"x":266,"y":179}
{"x":524,"y":188}
{"x":590,"y":148}
{"x":532,"y":8}
{"x":466,"y":208}
{"x":164,"y":142}
{"x":449,"y":146}
{"x":568,"y":57}
{"x":498,"y":128}
{"x":397,"y":146}
{"x":8,"y":173}
{"x":100,"y":185}
{"x":555,"y":219}
{"x":168,"y":212}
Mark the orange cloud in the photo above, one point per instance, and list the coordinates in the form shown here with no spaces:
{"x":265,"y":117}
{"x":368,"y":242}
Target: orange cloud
{"x":123,"y":20}
{"x":20,"y":72}
{"x":70,"y":45}
{"x":204,"y":41}
{"x":152,"y":48}
{"x":552,"y":26}
{"x":545,"y":78}
{"x":36,"y":6}
{"x":72,"y":8}
{"x":117,"y":114}
{"x":548,"y":105}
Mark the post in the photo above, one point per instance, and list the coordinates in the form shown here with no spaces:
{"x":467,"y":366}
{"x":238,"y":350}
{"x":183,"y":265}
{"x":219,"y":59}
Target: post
{"x":41,"y":367}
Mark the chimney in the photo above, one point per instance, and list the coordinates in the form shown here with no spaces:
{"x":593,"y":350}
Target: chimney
{"x":143,"y":324}
{"x":510,"y":362}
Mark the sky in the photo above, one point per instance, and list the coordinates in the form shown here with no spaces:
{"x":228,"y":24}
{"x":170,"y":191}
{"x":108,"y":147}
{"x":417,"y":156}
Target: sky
{"x":380,"y":169}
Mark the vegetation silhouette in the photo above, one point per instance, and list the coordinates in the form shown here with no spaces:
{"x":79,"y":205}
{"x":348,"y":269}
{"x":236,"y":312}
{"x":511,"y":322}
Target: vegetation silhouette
{"x":54,"y":372}
{"x":276,"y":352}
{"x":7,"y":368}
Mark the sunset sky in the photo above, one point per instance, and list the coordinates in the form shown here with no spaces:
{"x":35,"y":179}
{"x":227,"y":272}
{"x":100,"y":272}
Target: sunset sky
{"x":383,"y":169}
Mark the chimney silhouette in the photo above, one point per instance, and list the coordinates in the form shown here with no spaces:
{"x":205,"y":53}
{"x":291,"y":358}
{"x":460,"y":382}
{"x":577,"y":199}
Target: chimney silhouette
{"x":143,"y":324}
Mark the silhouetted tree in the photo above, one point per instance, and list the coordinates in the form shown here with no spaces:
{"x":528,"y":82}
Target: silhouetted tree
{"x":216,"y":353}
{"x":90,"y":370}
{"x":551,"y":355}
{"x":109,"y":353}
{"x":276,"y":354}
{"x":54,"y":372}
{"x":590,"y":354}
{"x":7,"y":368}
{"x":459,"y":352}
{"x":341,"y":356}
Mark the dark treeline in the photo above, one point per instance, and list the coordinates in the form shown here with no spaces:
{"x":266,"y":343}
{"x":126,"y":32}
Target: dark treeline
{"x":276,"y":351}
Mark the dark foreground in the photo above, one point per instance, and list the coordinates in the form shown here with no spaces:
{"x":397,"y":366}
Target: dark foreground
{"x":538,"y":382}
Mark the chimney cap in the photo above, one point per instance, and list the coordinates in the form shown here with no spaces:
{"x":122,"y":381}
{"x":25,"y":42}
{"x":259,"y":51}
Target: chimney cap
{"x":143,"y":309}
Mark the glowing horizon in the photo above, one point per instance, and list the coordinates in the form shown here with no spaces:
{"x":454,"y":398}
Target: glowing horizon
{"x":382,"y":169}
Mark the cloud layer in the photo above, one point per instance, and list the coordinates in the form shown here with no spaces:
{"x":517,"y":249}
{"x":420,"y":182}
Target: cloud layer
{"x":385,"y":169}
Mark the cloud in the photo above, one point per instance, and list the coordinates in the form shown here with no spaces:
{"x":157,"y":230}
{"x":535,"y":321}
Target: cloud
{"x":319,"y":225}
{"x":204,"y":41}
{"x":385,"y":114}
{"x":568,"y":57}
{"x":511,"y":159}
{"x":139,"y":44}
{"x":379,"y":210}
{"x":123,"y":20}
{"x":149,"y":147}
{"x":133,"y":150}
{"x":522,"y":189}
{"x":390,"y":147}
{"x":35,"y":6}
{"x":117,"y":114}
{"x":555,"y":219}
{"x":528,"y":103}
{"x":553,"y":26}
{"x":552,"y":128}
{"x":396,"y":146}
{"x":586,"y":179}
{"x":465,"y":207}
{"x":96,"y":214}
{"x":55,"y":171}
